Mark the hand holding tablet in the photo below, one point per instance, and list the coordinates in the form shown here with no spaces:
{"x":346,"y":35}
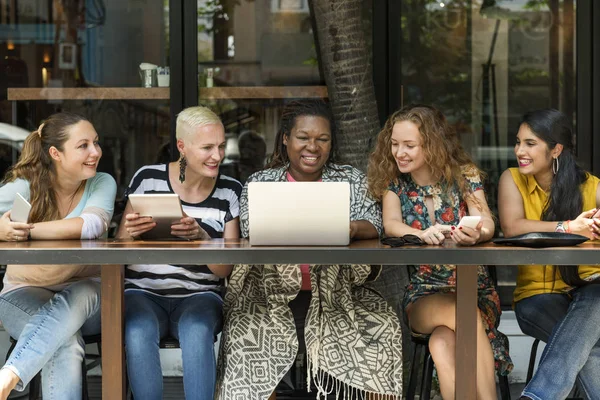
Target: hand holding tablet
{"x":162,"y":210}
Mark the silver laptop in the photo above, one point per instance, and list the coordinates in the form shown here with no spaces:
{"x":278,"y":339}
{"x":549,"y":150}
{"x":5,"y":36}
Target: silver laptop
{"x":299,"y":213}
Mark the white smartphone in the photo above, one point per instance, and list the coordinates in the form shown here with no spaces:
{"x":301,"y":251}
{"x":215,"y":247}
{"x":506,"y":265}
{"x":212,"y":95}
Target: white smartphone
{"x":470,"y":221}
{"x":20,"y":209}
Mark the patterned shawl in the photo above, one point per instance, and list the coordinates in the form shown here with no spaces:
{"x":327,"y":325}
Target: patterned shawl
{"x":353,"y":337}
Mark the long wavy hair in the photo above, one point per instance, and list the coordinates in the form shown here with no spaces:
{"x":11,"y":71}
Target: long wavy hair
{"x":441,"y":148}
{"x":291,"y":112}
{"x":565,"y":201}
{"x":36,"y":166}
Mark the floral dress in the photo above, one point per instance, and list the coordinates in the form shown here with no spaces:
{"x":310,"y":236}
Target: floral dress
{"x":430,"y":279}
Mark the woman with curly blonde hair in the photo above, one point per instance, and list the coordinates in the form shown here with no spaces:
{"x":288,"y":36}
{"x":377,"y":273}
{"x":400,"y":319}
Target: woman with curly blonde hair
{"x":427,"y":183}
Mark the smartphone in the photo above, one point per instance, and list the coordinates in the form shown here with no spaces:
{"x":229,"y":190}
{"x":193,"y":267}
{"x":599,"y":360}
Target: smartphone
{"x":20,"y":209}
{"x":469,"y":221}
{"x":597,"y":214}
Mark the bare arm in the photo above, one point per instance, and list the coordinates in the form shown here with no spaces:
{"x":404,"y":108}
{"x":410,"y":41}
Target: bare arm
{"x":484,"y":230}
{"x":512,"y":212}
{"x":232,"y":231}
{"x":362,"y":229}
{"x":393,"y":224}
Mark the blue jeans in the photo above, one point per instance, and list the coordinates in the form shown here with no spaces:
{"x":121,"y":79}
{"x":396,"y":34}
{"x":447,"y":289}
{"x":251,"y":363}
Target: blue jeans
{"x":570,"y":325}
{"x":49,"y":327}
{"x":194,"y":321}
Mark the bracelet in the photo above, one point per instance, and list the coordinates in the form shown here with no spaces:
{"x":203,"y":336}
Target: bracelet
{"x":561,"y":227}
{"x":567,"y":228}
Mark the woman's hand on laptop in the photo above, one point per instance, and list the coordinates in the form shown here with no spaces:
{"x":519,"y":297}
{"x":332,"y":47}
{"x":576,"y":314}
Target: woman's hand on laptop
{"x":188,"y":228}
{"x":137,"y":225}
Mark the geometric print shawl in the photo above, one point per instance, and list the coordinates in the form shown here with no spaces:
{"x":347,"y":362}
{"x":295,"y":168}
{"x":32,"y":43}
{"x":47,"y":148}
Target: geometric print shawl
{"x":353,"y":337}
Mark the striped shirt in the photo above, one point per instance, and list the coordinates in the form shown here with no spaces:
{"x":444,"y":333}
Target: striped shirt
{"x":220,"y":207}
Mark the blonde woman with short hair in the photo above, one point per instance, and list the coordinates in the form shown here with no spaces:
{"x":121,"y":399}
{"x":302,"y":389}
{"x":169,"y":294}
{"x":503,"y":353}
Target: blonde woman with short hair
{"x":181,"y":301}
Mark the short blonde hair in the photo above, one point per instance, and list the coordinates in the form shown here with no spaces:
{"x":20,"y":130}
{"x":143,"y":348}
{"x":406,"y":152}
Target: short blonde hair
{"x":194,"y":117}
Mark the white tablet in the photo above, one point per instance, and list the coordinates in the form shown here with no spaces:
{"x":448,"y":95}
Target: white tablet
{"x":20,"y":209}
{"x":164,"y":208}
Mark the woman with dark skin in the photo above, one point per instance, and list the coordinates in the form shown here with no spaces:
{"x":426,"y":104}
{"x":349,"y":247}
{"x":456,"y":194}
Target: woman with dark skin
{"x":267,"y":304}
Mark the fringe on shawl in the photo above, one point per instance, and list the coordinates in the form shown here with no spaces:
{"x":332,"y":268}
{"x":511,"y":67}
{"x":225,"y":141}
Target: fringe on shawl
{"x":326,"y":384}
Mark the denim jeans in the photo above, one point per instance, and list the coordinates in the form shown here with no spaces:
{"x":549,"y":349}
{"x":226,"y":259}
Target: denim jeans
{"x":194,"y":321}
{"x":570,"y":325}
{"x":49,"y":327}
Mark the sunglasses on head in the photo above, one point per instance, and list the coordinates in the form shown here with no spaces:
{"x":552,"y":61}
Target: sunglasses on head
{"x":403,"y":240}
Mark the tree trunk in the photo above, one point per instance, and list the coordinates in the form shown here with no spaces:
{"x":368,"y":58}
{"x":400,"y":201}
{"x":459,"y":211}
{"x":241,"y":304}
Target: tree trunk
{"x":346,"y":65}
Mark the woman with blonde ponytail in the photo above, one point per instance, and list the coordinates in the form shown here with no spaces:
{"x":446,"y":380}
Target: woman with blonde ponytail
{"x":48,"y":307}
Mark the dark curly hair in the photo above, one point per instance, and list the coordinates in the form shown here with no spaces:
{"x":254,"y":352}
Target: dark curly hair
{"x":293,"y":110}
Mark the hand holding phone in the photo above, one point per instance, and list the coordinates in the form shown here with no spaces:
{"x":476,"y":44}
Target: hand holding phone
{"x":470,"y":221}
{"x":467,"y":237}
{"x":20,"y":209}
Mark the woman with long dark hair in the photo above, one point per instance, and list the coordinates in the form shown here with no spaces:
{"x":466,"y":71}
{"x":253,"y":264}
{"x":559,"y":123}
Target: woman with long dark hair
{"x":550,"y":192}
{"x":49,"y":307}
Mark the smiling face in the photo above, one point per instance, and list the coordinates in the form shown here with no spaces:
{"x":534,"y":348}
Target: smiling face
{"x":407,"y":148}
{"x":533,"y":154}
{"x":204,"y":149}
{"x":308,"y":147}
{"x":80,"y":154}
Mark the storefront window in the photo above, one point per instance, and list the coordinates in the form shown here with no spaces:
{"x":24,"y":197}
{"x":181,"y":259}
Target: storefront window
{"x":253,"y":57}
{"x":85,"y":57}
{"x":484,"y":64}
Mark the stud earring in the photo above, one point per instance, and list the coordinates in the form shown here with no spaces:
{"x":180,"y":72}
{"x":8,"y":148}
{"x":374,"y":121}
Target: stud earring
{"x":182,"y":166}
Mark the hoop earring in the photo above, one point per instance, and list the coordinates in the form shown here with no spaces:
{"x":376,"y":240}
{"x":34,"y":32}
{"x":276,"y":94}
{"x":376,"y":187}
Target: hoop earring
{"x":182,"y":166}
{"x":555,"y":165}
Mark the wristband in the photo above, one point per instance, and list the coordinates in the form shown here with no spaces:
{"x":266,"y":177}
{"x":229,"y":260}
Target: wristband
{"x":567,"y":227}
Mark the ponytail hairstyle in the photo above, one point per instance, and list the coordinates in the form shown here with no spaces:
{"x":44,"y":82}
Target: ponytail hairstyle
{"x":36,"y":166}
{"x":293,"y":110}
{"x":565,"y":201}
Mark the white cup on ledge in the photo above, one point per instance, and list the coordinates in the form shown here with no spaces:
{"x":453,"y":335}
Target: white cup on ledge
{"x":163,"y":76}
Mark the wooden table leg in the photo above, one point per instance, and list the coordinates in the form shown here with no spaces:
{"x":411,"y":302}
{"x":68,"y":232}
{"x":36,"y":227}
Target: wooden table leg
{"x":466,"y":332}
{"x":113,"y":357}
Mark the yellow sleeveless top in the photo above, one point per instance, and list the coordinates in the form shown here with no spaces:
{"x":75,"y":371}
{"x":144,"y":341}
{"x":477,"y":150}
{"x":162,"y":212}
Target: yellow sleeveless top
{"x":537,"y":279}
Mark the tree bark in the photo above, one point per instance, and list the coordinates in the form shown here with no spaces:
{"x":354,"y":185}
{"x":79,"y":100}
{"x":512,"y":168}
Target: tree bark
{"x":346,"y":64}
